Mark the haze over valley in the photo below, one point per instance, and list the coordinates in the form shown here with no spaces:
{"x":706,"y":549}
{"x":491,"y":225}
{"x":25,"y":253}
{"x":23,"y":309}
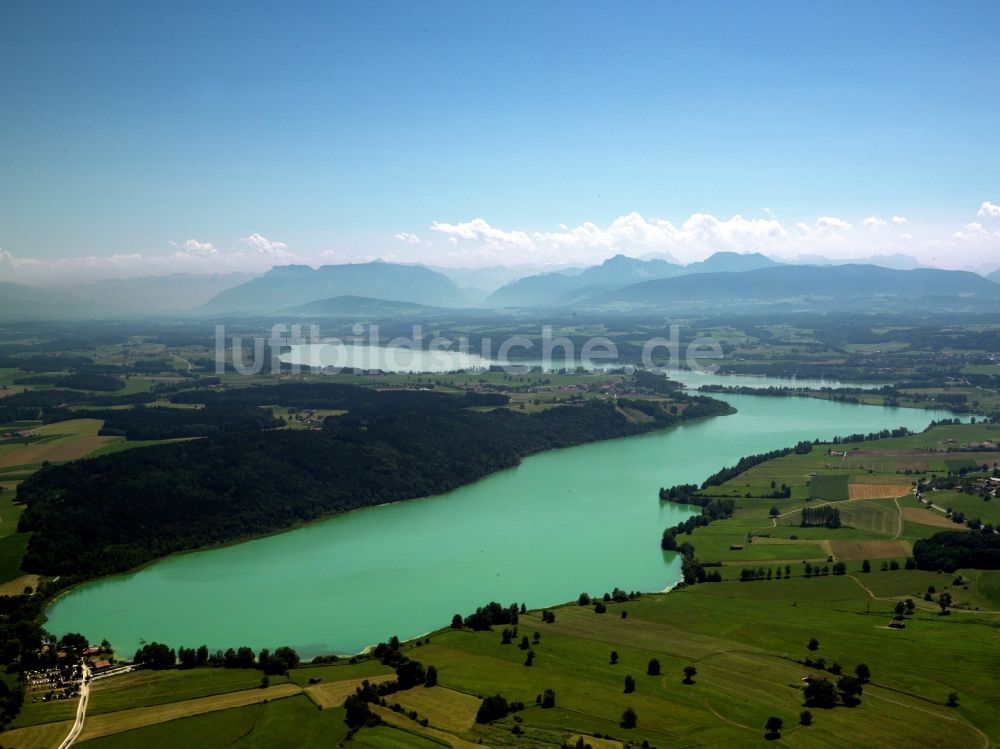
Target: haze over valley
{"x":573,"y":375}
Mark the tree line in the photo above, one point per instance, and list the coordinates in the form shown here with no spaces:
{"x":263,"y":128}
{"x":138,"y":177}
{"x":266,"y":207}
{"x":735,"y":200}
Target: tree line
{"x":391,"y":446}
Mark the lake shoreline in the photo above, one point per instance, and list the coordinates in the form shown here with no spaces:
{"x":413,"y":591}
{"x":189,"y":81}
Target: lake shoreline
{"x":661,"y":457}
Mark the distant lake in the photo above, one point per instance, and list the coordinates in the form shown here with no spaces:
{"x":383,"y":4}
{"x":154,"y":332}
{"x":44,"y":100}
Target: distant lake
{"x":406,"y":360}
{"x":697,"y":379}
{"x":585,"y":518}
{"x":385,"y":358}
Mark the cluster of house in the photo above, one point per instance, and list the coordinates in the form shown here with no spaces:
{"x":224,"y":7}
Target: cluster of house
{"x":989,"y":485}
{"x":16,"y":434}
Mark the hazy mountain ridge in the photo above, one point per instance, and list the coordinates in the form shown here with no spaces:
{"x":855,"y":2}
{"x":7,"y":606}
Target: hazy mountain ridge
{"x":615,"y":272}
{"x":353,"y":305}
{"x":821,"y":287}
{"x":725,"y":279}
{"x":293,"y":285}
{"x":129,"y":297}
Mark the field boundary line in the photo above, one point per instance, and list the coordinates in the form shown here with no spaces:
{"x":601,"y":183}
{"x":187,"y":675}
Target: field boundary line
{"x":868,"y":590}
{"x":987,"y":741}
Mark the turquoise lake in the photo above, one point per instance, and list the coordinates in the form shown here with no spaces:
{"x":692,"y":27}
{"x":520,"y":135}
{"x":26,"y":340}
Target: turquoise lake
{"x":580,"y":519}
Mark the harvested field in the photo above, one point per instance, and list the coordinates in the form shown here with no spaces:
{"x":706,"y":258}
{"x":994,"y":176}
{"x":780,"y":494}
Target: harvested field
{"x":926,"y":516}
{"x":877,"y":491}
{"x":16,"y":586}
{"x":445,"y":708}
{"x":405,"y":724}
{"x":334,"y":693}
{"x":55,"y":451}
{"x":887,"y":466}
{"x":139,"y":717}
{"x":38,"y":737}
{"x":878,"y":517}
{"x":854,"y":550}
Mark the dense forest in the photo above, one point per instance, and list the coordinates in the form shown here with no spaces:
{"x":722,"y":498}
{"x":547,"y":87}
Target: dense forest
{"x":114,"y":512}
{"x":149,"y":423}
{"x":952,"y":550}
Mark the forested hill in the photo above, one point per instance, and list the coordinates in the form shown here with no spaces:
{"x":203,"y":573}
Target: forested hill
{"x":112,"y":513}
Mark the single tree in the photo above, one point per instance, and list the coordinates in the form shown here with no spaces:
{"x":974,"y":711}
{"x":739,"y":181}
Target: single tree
{"x":773,"y":727}
{"x":548,"y":699}
{"x":629,"y":684}
{"x":820,"y":693}
{"x":614,"y":657}
{"x":953,"y":699}
{"x":492,"y":708}
{"x":689,"y":673}
{"x":530,"y":659}
{"x":805,"y":718}
{"x":850,"y":689}
{"x":866,"y":566}
{"x":813,"y":644}
{"x":900,"y":609}
{"x":653,"y":669}
{"x":863,"y":672}
{"x":629,"y":718}
{"x":944,"y":601}
{"x":431,"y":679}
{"x":456,"y":621}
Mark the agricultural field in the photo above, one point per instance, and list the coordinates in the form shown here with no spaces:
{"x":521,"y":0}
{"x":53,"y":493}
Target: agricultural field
{"x":59,"y":442}
{"x":879,"y":516}
{"x":744,"y":639}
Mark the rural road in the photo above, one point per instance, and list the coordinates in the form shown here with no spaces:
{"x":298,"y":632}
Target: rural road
{"x":81,"y":710}
{"x":181,"y":358}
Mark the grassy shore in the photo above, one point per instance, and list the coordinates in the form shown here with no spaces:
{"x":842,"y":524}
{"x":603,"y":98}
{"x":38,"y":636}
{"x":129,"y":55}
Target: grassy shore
{"x":744,"y":639}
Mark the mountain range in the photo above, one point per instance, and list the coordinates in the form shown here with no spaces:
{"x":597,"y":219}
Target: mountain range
{"x":284,"y":286}
{"x":563,"y":288}
{"x":726,"y":280}
{"x":808,"y":287}
{"x":148,"y":295}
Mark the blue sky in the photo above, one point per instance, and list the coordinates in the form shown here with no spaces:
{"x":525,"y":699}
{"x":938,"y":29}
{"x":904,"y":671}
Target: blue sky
{"x":145,"y":137}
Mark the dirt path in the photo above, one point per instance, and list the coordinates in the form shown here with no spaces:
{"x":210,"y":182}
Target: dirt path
{"x":899,"y":523}
{"x":919,"y":604}
{"x":724,"y":719}
{"x":987,"y":742}
{"x":81,"y":710}
{"x":181,"y":358}
{"x":774,"y":520}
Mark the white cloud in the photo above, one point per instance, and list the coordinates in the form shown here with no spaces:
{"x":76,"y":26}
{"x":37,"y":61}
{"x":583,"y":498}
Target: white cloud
{"x":265,"y":245}
{"x":478,"y":230}
{"x":405,"y":236}
{"x":971,"y":231}
{"x":194,"y":244}
{"x":828,"y":227}
{"x":900,"y":220}
{"x":874,"y":221}
{"x":989,"y":210}
{"x":832,"y":222}
{"x":589,"y":241}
